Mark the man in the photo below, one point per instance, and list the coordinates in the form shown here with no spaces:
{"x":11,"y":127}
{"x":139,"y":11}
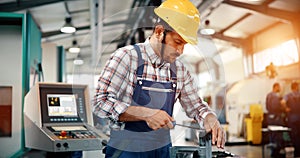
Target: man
{"x":276,"y":114}
{"x":291,"y":103}
{"x":139,"y":85}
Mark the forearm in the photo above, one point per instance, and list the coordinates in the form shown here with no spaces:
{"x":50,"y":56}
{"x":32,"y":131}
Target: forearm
{"x":155,"y":118}
{"x":136,"y":113}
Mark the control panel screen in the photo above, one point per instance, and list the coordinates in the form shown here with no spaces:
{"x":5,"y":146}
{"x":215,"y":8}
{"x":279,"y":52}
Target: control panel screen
{"x":62,"y":105}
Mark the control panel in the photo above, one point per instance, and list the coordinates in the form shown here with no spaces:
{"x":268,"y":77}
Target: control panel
{"x":57,"y":118}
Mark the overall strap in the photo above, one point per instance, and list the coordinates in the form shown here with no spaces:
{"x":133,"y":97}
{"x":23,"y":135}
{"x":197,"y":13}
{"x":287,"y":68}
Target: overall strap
{"x":173,"y":71}
{"x":141,"y":62}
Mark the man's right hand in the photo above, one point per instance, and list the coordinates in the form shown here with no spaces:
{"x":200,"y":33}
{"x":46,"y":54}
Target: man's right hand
{"x":155,"y":118}
{"x":159,"y":119}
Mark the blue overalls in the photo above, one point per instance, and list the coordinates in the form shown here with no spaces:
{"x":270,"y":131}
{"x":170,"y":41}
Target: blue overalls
{"x":137,"y":140}
{"x":293,"y":122}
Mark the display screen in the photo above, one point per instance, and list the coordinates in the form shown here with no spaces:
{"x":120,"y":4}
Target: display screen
{"x":62,"y":105}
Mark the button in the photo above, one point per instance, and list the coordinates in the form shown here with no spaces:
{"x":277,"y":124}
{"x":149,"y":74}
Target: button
{"x":63,"y":133}
{"x":58,"y":145}
{"x":66,"y":145}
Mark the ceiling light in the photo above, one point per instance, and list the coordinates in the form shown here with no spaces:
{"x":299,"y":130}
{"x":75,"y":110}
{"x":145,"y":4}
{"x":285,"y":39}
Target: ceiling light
{"x":207,"y":30}
{"x":78,"y":60}
{"x":68,"y":27}
{"x":75,"y":48}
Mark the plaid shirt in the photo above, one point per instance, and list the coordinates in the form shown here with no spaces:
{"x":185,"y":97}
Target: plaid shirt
{"x":116,"y":83}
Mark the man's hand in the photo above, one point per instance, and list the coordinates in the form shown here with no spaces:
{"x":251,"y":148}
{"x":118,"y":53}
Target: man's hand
{"x":159,"y":119}
{"x":155,"y":118}
{"x":212,"y":125}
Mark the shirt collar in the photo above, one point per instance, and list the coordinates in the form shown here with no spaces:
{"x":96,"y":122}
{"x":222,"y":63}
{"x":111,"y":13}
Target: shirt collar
{"x":155,"y":60}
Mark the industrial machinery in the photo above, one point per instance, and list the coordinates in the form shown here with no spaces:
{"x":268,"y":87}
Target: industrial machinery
{"x":57,"y":118}
{"x":204,"y":150}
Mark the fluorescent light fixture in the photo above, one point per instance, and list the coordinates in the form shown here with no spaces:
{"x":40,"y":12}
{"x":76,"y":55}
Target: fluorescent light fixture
{"x":75,"y":48}
{"x":68,"y":27}
{"x":78,"y":61}
{"x":207,"y":31}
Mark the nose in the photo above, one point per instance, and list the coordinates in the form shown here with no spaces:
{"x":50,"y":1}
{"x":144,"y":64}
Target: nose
{"x":180,"y":49}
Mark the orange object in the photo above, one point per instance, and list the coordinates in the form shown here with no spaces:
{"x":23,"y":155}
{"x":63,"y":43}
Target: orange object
{"x":63,"y":133}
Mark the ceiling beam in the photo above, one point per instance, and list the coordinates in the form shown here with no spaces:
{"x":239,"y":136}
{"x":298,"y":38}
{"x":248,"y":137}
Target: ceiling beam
{"x":234,"y":23}
{"x":53,"y":33}
{"x":22,"y":5}
{"x":64,"y":37}
{"x":237,"y":41}
{"x":264,"y":9}
{"x":139,"y":15}
{"x":207,"y":4}
{"x":206,"y":7}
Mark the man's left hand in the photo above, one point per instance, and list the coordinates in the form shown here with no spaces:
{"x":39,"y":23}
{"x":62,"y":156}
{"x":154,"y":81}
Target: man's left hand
{"x":211,"y":124}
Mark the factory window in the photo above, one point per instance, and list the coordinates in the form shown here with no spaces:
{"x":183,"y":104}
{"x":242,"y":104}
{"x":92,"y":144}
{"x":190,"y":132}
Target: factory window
{"x":281,"y":55}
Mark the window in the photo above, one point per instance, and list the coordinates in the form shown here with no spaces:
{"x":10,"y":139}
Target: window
{"x":281,"y":55}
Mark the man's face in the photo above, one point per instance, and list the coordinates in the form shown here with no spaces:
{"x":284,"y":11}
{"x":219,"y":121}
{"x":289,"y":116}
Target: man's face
{"x":174,"y":46}
{"x":277,"y":89}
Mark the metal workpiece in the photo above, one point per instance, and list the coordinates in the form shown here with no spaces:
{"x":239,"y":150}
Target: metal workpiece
{"x":204,"y":150}
{"x":205,"y":144}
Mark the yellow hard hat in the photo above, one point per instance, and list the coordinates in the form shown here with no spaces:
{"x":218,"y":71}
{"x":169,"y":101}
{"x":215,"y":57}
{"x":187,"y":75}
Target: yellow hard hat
{"x":182,"y":16}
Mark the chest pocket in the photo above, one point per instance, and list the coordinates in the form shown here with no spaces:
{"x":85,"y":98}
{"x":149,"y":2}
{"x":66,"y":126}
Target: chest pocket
{"x":155,"y":95}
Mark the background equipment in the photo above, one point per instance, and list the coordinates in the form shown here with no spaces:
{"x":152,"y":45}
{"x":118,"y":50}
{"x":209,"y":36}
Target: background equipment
{"x":57,"y":118}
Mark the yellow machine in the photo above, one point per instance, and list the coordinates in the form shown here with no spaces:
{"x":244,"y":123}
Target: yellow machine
{"x":254,"y":124}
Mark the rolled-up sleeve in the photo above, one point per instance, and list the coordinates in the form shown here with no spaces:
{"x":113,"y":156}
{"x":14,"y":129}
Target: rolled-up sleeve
{"x":193,"y":105}
{"x":112,"y":89}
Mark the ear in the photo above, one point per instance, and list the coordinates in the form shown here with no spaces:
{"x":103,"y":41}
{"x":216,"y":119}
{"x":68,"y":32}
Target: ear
{"x":159,"y":32}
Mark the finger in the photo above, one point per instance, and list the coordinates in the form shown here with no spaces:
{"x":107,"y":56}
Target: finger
{"x":172,"y":119}
{"x":219,"y":138}
{"x":170,"y":125}
{"x":214,"y":135}
{"x":223,"y":140}
{"x":165,"y":127}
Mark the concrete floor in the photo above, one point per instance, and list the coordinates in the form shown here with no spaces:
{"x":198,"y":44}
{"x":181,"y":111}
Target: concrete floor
{"x":242,"y":151}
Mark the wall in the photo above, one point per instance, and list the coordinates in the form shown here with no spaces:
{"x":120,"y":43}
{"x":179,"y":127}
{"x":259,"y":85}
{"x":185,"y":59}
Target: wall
{"x":290,"y":72}
{"x":50,"y":62}
{"x":20,"y":42}
{"x":272,"y":37}
{"x":11,"y":75}
{"x":233,"y":65}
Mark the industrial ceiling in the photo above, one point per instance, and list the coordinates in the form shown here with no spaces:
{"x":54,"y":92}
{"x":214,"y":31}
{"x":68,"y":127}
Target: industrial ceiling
{"x":104,"y":25}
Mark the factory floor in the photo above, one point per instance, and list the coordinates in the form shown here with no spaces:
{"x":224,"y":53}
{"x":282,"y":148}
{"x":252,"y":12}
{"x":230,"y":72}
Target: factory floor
{"x":243,"y":151}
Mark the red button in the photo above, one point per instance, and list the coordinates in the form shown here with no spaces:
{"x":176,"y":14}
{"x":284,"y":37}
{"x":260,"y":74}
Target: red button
{"x":63,"y":133}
